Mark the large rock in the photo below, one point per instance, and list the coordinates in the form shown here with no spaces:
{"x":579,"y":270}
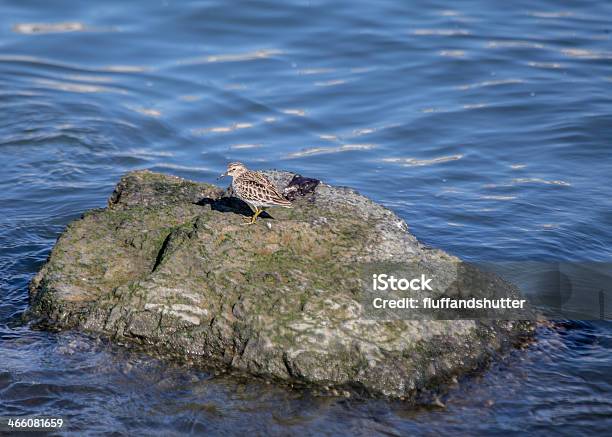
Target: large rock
{"x":169,"y":264}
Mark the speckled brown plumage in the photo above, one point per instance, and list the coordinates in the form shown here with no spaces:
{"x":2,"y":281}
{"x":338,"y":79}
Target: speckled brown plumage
{"x":255,"y":189}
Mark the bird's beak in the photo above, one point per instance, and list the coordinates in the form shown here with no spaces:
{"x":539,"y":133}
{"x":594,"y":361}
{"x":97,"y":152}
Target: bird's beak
{"x":222,"y":175}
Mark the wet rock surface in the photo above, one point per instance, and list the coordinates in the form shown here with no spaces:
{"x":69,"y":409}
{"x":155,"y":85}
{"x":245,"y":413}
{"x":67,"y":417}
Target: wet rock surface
{"x":170,"y":265}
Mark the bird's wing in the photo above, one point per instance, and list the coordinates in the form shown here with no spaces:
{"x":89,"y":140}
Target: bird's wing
{"x":258,"y":187}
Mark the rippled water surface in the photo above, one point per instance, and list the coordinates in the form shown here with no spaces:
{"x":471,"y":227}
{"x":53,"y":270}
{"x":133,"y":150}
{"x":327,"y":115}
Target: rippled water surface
{"x":486,"y":125}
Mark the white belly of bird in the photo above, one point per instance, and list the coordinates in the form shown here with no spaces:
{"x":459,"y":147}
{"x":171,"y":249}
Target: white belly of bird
{"x":257,"y":204}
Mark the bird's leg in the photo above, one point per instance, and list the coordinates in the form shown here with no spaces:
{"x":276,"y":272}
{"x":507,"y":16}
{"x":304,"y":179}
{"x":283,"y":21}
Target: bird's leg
{"x":254,"y":217}
{"x":257,"y":212}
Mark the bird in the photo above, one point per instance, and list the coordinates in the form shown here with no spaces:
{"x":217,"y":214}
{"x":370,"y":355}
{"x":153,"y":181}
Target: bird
{"x":254,"y":188}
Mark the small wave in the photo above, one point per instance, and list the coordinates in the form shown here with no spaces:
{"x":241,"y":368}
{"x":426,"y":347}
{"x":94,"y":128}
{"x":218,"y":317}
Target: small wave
{"x":147,"y":153}
{"x":413,"y":162}
{"x":540,"y":181}
{"x":493,"y":197}
{"x":233,"y":57}
{"x":125,"y":68}
{"x":249,"y":56}
{"x":586,"y":54}
{"x":328,"y":137}
{"x":45,"y":63}
{"x":136,"y":154}
{"x":560,"y":14}
{"x":488,"y":83}
{"x":298,"y":112}
{"x":475,"y":106}
{"x":77,"y":87}
{"x":245,"y":146}
{"x":364,"y":131}
{"x":155,"y":113}
{"x":326,"y":150}
{"x":449,"y":13}
{"x":40,"y":28}
{"x":359,"y":70}
{"x":552,"y":65}
{"x":84,"y":78}
{"x":310,"y":71}
{"x":190,"y":98}
{"x":221,"y":129}
{"x":171,"y":166}
{"x":514,"y":44}
{"x":454,"y":224}
{"x":330,"y":82}
{"x":21,"y":93}
{"x":452,"y":53}
{"x":440,"y":32}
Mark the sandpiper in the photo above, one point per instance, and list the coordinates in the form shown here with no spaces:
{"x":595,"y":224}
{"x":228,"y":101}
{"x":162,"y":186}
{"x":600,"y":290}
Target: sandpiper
{"x":255,"y":189}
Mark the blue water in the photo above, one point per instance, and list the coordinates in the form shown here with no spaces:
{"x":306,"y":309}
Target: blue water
{"x":487,"y":126}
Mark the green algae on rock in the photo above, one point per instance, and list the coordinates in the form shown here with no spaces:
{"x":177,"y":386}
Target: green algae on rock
{"x":169,"y":264}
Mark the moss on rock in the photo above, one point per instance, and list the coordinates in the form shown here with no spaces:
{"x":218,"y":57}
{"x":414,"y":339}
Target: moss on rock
{"x":169,"y":264}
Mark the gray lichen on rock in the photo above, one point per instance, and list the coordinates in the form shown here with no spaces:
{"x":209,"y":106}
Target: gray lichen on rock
{"x":170,"y":265}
